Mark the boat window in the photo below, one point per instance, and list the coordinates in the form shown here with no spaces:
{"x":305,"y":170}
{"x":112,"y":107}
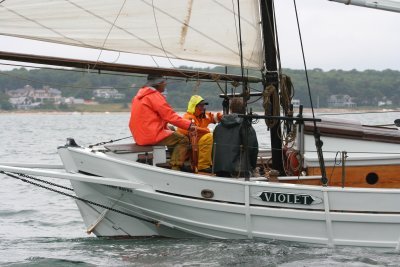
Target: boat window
{"x":372,"y":178}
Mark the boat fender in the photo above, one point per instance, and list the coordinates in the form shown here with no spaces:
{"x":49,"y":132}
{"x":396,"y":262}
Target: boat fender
{"x":292,"y":161}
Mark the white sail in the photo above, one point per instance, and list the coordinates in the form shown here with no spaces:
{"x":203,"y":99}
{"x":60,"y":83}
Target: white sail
{"x":202,"y":30}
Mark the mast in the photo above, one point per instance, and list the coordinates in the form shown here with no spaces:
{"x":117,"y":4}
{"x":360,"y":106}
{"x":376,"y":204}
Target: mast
{"x":271,"y":77}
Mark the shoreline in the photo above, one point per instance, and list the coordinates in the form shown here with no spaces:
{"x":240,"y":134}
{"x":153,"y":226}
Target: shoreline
{"x":337,"y":111}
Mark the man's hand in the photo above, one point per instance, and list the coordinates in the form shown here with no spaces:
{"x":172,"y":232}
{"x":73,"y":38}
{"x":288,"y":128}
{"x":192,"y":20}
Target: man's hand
{"x":192,"y":127}
{"x":219,"y":116}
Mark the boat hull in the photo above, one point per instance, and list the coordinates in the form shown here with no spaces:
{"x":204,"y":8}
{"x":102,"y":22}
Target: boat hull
{"x":173,"y":204}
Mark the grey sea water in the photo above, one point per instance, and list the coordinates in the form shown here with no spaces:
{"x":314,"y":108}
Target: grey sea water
{"x":43,"y":228}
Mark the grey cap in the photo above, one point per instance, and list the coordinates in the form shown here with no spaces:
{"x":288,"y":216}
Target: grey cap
{"x":153,"y":79}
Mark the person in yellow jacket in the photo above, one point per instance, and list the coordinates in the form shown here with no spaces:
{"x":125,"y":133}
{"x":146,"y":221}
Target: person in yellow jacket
{"x":196,"y":113}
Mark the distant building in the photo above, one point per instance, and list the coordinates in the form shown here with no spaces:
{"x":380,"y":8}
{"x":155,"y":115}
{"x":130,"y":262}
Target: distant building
{"x":341,"y":101}
{"x":20,"y":92}
{"x":29,"y":97}
{"x":107,"y":92}
{"x":296,"y":103}
{"x":46,"y":94}
{"x":72,"y":100}
{"x":20,"y":102}
{"x":385,"y":102}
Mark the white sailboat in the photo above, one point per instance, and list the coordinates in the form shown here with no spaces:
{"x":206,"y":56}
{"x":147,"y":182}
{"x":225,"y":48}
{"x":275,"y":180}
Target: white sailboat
{"x":118,"y":195}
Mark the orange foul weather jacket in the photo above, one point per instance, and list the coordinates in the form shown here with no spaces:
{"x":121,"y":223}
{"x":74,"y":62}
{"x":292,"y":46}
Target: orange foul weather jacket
{"x":150,"y":114}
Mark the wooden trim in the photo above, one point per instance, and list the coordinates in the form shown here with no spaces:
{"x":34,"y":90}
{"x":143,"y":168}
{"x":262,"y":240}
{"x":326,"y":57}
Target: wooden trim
{"x":356,"y":176}
{"x":351,"y":130}
{"x":98,"y":65}
{"x":128,"y":148}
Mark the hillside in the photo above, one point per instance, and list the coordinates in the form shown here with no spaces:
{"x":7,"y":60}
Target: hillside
{"x":366,"y":88}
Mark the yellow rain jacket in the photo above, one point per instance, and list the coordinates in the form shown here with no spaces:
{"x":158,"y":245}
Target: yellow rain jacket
{"x":200,"y":120}
{"x":204,"y":136}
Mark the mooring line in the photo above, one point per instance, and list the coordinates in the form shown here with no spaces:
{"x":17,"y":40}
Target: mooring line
{"x":14,"y":175}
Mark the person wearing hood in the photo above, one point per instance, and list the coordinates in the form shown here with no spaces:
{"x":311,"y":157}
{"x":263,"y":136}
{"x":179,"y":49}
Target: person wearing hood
{"x":196,"y":112}
{"x":150,"y":114}
{"x":229,"y":137}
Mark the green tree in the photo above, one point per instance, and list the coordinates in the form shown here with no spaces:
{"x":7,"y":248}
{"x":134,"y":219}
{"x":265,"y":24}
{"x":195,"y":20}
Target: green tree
{"x":365,"y":87}
{"x":4,"y":102}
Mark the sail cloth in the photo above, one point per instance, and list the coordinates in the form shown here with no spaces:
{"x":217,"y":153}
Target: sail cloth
{"x":195,"y":30}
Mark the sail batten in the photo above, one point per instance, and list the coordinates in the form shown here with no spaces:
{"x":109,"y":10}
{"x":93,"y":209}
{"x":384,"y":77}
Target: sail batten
{"x":201,"y":31}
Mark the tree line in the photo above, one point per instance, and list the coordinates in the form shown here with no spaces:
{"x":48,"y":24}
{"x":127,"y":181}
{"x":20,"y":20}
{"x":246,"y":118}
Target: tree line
{"x":366,"y":88}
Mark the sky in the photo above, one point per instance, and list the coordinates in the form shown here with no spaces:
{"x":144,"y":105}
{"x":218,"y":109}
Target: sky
{"x":335,"y":36}
{"x":338,"y":36}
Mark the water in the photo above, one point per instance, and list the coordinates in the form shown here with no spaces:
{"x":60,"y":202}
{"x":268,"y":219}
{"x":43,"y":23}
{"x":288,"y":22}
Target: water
{"x":42,"y":228}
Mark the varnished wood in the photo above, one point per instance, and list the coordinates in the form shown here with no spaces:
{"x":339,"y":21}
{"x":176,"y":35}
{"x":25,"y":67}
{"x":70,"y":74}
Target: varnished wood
{"x":355,"y":176}
{"x":351,"y":130}
{"x":100,"y":65}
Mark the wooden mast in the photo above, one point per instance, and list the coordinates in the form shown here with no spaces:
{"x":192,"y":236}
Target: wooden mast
{"x":272,"y":77}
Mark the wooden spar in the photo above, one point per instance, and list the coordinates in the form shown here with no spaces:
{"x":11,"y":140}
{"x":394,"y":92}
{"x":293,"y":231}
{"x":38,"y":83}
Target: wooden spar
{"x":76,"y":177}
{"x":194,"y":142}
{"x":386,"y":5}
{"x":268,"y":27}
{"x":98,"y":65}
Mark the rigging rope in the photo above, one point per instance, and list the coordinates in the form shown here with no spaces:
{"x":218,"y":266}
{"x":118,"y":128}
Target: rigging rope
{"x":286,"y":93}
{"x":241,"y":56}
{"x":317,"y":135}
{"x":166,"y":53}
{"x":184,"y":23}
{"x":269,"y":93}
{"x":107,"y":142}
{"x":58,"y":84}
{"x":159,"y":36}
{"x":14,"y":175}
{"x":196,"y":87}
{"x":108,"y":34}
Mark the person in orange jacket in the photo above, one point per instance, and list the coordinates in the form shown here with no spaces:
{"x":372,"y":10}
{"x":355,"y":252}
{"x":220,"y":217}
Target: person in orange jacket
{"x":150,"y":114}
{"x":196,"y":112}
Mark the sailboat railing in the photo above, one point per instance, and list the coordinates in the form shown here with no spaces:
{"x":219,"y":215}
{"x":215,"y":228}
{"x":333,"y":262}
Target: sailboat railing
{"x":298,"y":119}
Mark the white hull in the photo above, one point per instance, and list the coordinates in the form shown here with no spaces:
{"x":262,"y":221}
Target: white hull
{"x":338,"y":216}
{"x":117,"y":196}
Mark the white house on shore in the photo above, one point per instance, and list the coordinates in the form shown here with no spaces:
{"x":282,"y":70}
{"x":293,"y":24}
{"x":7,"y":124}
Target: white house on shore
{"x":107,"y":92}
{"x":341,"y":101}
{"x":29,"y":97}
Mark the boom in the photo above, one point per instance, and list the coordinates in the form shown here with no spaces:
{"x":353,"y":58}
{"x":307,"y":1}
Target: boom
{"x":388,"y":5}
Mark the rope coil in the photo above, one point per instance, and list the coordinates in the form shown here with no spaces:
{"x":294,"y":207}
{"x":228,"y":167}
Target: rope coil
{"x":271,"y":108}
{"x":286,"y":94}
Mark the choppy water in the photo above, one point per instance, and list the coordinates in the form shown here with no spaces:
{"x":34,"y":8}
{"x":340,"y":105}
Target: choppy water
{"x":42,"y":228}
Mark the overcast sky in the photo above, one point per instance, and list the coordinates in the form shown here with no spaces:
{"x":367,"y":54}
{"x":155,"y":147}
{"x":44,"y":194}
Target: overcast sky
{"x":338,"y":36}
{"x":335,"y":36}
